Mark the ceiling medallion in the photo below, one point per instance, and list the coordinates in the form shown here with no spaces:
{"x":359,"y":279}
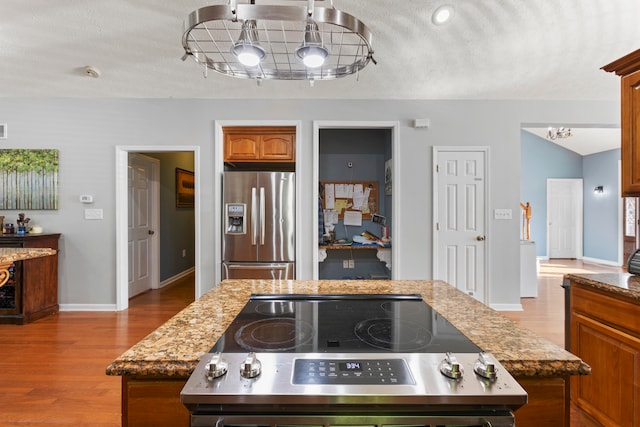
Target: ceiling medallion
{"x":277,"y":42}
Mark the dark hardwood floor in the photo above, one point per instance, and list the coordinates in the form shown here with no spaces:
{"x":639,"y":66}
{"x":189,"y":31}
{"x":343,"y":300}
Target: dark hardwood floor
{"x":52,"y":371}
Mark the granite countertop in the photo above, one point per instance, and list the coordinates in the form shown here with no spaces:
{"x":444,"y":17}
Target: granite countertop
{"x":19,"y":254}
{"x":174,"y":349}
{"x":617,"y":284}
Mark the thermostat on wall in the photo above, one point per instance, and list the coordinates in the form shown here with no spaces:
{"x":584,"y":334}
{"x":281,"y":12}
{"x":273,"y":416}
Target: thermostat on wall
{"x":86,"y":198}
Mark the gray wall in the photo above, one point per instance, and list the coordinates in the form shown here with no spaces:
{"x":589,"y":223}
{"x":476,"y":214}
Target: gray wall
{"x":177,"y":224}
{"x":86,"y":131}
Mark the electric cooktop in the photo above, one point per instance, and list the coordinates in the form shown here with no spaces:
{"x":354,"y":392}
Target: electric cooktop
{"x":302,"y":323}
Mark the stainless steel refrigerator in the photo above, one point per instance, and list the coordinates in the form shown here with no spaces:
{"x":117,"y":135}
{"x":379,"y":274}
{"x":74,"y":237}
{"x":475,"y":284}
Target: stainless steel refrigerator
{"x":259,"y":225}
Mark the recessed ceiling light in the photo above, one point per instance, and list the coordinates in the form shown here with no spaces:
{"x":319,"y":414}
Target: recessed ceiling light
{"x":442,"y":14}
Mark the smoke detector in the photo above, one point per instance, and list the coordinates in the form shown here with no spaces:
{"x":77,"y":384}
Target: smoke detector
{"x":91,"y":71}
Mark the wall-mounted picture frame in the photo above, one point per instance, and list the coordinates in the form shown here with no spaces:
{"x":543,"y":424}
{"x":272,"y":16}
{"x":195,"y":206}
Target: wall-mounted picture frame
{"x":28,"y":179}
{"x":185,"y":188}
{"x":388,"y":173}
{"x":3,"y":131}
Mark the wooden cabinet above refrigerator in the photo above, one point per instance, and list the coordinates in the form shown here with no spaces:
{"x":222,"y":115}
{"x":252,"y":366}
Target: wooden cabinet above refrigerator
{"x":259,"y":144}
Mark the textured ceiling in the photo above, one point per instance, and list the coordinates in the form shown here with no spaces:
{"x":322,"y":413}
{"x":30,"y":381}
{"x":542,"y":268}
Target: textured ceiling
{"x":491,"y":49}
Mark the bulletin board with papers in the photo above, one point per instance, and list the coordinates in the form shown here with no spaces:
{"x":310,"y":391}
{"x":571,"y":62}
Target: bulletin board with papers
{"x":355,"y":199}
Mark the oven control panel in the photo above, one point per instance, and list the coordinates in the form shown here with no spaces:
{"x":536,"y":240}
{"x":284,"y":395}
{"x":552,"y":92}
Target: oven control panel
{"x":351,"y":371}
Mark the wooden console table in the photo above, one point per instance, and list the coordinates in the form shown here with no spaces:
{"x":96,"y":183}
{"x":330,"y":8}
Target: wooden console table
{"x":28,"y":277}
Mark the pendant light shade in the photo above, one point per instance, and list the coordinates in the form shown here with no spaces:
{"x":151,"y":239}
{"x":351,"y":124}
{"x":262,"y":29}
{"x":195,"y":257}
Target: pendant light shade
{"x":248,"y":49}
{"x":311,"y":52}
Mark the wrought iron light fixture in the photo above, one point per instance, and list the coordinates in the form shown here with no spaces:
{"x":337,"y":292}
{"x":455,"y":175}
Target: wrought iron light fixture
{"x":558,"y":133}
{"x":599,"y":189}
{"x":283,"y":42}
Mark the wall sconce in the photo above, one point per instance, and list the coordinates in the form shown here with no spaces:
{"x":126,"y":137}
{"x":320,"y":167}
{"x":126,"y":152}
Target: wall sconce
{"x":599,"y":189}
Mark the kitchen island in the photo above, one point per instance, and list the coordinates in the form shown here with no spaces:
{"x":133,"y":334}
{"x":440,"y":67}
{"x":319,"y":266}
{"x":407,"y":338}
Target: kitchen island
{"x":604,"y":329}
{"x":155,"y":369}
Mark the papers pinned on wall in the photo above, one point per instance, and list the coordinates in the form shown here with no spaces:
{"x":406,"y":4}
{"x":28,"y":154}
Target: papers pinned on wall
{"x":353,"y":218}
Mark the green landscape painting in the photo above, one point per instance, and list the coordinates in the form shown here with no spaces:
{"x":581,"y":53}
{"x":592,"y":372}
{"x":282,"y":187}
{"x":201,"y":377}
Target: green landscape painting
{"x":28,"y":179}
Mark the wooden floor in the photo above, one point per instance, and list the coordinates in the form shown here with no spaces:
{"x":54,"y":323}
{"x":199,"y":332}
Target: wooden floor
{"x":52,"y":372}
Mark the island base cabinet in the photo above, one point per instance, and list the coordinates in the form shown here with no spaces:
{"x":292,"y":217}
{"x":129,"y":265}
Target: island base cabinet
{"x":605,"y":333}
{"x":153,"y":402}
{"x":156,"y":402}
{"x":548,"y":402}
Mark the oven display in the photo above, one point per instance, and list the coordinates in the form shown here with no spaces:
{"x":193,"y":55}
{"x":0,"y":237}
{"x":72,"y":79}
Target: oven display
{"x":350,"y":366}
{"x":335,"y":371}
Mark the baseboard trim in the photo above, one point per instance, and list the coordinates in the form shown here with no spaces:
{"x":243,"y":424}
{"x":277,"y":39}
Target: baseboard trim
{"x":87,"y":307}
{"x":507,"y":307}
{"x":601,"y":261}
{"x":173,"y":279}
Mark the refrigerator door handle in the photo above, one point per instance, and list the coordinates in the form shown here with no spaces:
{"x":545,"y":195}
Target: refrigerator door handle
{"x":254,"y":217}
{"x":262,"y":215}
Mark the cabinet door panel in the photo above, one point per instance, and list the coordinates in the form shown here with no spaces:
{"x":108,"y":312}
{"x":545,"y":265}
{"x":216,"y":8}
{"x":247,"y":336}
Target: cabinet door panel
{"x":612,"y":392}
{"x":277,"y":147}
{"x":630,"y":123}
{"x":241,"y":147}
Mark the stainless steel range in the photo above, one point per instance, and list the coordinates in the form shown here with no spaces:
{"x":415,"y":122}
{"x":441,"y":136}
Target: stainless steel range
{"x":348,"y":360}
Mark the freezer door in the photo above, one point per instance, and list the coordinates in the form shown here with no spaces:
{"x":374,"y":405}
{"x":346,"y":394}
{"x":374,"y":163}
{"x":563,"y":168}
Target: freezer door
{"x":240,"y":188}
{"x":276,"y":236}
{"x":270,"y":271}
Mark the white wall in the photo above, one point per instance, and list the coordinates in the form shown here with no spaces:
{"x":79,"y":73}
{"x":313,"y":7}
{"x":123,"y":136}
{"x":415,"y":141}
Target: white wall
{"x":86,"y":132}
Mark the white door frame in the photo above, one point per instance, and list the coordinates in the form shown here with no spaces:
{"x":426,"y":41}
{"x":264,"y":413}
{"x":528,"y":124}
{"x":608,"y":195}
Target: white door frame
{"x":579,"y":239}
{"x":218,"y":170}
{"x":395,"y":179}
{"x":122,"y":164}
{"x":434,"y":214}
{"x":154,"y":222}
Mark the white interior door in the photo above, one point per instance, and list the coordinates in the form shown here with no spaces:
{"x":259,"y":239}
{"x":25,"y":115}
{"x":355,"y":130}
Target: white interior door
{"x":459,"y":219}
{"x":142,"y":234}
{"x":564,"y":218}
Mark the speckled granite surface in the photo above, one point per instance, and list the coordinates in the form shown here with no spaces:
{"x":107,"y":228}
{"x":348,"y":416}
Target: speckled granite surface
{"x":19,"y":254}
{"x":616,"y":284}
{"x":174,"y":349}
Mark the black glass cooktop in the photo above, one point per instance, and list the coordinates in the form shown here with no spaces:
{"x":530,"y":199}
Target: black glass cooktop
{"x":341,"y":324}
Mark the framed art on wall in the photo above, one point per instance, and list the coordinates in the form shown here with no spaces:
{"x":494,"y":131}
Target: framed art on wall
{"x":185,"y":188}
{"x":28,"y":179}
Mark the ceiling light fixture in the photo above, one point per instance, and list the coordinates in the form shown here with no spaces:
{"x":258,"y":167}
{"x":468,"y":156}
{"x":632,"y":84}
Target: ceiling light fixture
{"x":248,"y":49}
{"x":290,"y":42}
{"x":311,"y":52}
{"x":442,"y":14}
{"x":558,"y":133}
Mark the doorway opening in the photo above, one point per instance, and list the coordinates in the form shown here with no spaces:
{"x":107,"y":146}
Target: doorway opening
{"x":122,"y":214}
{"x":354,"y":176}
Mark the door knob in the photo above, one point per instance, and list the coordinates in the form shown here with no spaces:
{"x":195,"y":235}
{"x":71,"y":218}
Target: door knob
{"x":151,"y":232}
{"x":480,"y":238}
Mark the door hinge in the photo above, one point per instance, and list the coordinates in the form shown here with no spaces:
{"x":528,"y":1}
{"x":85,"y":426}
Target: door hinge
{"x":437,"y":168}
{"x":437,"y":226}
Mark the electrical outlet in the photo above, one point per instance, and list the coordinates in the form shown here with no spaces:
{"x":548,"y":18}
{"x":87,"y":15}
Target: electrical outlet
{"x":352,"y":264}
{"x":184,"y":253}
{"x":345,"y":263}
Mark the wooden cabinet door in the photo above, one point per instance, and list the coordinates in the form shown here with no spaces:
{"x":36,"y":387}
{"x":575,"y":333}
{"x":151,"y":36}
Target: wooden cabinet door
{"x":241,"y":147}
{"x":611,"y":394}
{"x":630,"y":123}
{"x":277,"y":147}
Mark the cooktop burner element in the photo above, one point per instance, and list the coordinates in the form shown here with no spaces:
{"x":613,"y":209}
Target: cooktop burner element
{"x":341,"y":323}
{"x":380,"y":333}
{"x":274,"y":334}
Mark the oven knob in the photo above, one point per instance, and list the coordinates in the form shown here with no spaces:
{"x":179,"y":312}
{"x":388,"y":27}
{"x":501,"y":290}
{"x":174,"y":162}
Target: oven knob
{"x":216,"y":367}
{"x":484,"y":367}
{"x":251,"y":367}
{"x":450,"y":367}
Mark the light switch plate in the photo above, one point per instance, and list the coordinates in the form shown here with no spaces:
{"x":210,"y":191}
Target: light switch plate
{"x":502,"y":214}
{"x":93,"y":214}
